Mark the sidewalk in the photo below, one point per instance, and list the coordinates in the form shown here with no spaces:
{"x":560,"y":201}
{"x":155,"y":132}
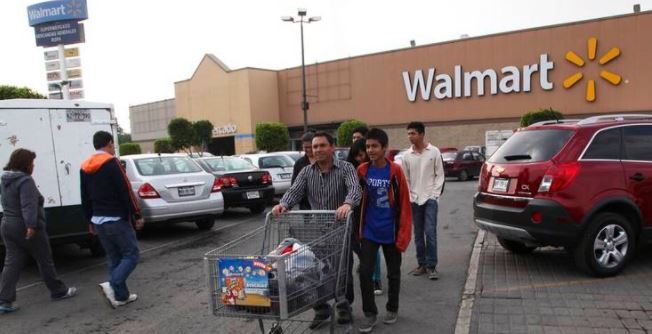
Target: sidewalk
{"x":545,"y":293}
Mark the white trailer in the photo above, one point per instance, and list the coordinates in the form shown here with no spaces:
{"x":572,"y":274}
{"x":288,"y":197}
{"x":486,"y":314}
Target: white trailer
{"x":61,"y":134}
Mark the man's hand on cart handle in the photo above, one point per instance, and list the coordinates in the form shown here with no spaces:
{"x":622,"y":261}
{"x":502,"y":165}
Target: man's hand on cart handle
{"x":342,"y":211}
{"x":278,"y":209}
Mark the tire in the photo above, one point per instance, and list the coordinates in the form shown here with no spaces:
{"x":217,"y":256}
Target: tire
{"x":515,"y":247}
{"x":464,"y":175}
{"x":606,"y":246}
{"x":95,"y":246}
{"x":257,"y":209}
{"x":205,"y":224}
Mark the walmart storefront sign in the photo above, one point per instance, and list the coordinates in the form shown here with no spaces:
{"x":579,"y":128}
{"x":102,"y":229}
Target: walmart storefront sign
{"x":58,"y":10}
{"x":512,"y":79}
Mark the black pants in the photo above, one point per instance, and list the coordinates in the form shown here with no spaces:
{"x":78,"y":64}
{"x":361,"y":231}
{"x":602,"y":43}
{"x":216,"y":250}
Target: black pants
{"x":368,"y":251}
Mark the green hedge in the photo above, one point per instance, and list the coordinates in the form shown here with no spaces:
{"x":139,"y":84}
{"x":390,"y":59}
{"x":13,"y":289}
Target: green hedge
{"x":272,"y":137}
{"x":345,"y":131}
{"x":129,"y":149}
{"x":163,"y":146}
{"x":539,"y":116}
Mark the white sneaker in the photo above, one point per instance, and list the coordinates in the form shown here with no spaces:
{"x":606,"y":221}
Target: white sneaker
{"x":132,"y":298}
{"x":109,"y":294}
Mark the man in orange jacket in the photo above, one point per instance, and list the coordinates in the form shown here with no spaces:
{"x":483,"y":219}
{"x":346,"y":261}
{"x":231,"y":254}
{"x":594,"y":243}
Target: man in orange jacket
{"x":385,"y":221}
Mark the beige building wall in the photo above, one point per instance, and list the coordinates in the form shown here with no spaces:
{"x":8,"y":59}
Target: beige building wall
{"x":243,"y":97}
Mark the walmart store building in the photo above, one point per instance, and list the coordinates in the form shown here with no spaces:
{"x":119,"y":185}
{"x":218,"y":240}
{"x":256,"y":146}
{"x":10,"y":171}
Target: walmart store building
{"x":460,"y":88}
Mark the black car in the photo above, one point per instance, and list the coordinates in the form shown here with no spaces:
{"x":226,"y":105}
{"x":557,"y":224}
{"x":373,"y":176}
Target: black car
{"x":242,"y":184}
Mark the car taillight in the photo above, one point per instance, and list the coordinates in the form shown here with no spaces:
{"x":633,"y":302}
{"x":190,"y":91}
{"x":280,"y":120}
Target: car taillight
{"x":559,"y":177}
{"x":224,"y":182}
{"x":147,"y":191}
{"x":267,"y":179}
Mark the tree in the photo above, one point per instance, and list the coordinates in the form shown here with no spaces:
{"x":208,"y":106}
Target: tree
{"x":272,"y":137}
{"x":163,"y":146}
{"x":345,"y":131}
{"x":13,"y":92}
{"x":540,"y":115}
{"x":129,"y":149}
{"x":203,"y":134}
{"x":123,"y":137}
{"x":182,"y":134}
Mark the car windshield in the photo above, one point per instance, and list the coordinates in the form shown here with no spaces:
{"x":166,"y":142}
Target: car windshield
{"x":165,"y":166}
{"x":449,"y":156}
{"x":295,"y":155}
{"x":275,"y":161}
{"x":228,"y":164}
{"x":531,"y":146}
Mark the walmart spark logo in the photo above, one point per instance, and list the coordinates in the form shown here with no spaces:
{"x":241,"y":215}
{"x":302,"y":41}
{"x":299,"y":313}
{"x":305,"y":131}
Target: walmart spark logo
{"x":610,"y":77}
{"x":74,"y":7}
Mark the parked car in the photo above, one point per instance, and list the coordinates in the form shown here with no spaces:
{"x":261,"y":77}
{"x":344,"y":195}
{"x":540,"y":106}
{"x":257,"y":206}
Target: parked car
{"x":295,"y":155}
{"x":585,"y":186}
{"x":241,"y":183}
{"x":398,"y":158}
{"x":173,"y":188}
{"x":341,"y":153}
{"x":278,"y":165}
{"x":463,"y":165}
{"x":475,"y":148}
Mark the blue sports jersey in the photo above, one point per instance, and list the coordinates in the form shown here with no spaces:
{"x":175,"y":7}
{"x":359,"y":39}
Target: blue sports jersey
{"x":379,"y":216}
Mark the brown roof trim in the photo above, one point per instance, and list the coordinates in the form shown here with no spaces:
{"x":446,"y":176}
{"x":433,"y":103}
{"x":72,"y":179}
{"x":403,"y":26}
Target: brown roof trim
{"x":647,"y":12}
{"x":223,"y":66}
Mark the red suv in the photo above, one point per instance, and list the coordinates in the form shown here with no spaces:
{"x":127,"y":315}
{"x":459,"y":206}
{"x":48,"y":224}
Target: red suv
{"x":583,"y":185}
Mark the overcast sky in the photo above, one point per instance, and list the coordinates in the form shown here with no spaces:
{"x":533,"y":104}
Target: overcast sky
{"x":135,"y":50}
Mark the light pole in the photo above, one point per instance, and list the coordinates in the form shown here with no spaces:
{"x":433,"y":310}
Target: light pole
{"x":301,"y":20}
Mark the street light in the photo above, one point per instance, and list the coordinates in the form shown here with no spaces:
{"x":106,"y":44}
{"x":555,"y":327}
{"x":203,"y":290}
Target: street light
{"x":301,"y":20}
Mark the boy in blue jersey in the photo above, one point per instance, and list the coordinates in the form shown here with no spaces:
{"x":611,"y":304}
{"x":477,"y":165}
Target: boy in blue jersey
{"x":385,"y":221}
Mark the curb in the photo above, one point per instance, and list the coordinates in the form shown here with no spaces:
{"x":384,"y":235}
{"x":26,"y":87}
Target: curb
{"x":463,"y":323}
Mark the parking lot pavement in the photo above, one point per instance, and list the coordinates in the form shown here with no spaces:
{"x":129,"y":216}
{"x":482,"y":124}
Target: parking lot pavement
{"x":544,"y":293}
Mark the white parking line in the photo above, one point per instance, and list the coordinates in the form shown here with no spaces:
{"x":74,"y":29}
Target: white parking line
{"x":168,"y":244}
{"x":463,"y":324}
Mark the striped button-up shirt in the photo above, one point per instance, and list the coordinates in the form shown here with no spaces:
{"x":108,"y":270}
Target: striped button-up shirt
{"x":325,"y":190}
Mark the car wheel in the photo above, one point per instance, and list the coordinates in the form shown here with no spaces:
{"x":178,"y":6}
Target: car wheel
{"x":257,"y":209}
{"x":205,"y":224}
{"x":464,"y":175}
{"x":95,"y":246}
{"x":515,"y":247}
{"x":606,"y":246}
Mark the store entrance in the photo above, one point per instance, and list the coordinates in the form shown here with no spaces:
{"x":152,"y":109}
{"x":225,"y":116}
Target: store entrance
{"x":222,"y":146}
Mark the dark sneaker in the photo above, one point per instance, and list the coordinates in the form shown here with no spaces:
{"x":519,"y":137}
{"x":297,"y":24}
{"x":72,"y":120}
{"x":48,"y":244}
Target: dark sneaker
{"x":71,"y":292}
{"x":344,"y":317}
{"x":378,"y":288}
{"x":433,"y":274}
{"x":368,"y":324}
{"x":8,"y":308}
{"x":418,"y":271}
{"x":390,"y":317}
{"x":319,"y":320}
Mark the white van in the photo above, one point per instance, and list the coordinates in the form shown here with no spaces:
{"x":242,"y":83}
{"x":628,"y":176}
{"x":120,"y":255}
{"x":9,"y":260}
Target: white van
{"x":61,"y":134}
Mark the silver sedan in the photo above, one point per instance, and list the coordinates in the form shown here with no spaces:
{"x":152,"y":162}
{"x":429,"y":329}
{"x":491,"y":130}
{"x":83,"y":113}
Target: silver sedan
{"x":172,"y":187}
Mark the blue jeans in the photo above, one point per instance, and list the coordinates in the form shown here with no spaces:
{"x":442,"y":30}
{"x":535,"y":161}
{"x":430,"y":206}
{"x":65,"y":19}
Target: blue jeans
{"x":119,"y":241}
{"x":424,"y":218}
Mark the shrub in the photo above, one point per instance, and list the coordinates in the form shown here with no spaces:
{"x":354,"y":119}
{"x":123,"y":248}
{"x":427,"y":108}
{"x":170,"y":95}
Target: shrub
{"x":182,"y":134}
{"x":163,"y":146}
{"x":345,"y":131}
{"x":272,"y":137}
{"x":540,"y":115}
{"x":129,"y":149}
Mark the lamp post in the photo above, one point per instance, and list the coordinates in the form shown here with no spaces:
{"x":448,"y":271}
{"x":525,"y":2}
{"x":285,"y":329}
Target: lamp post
{"x":301,"y":20}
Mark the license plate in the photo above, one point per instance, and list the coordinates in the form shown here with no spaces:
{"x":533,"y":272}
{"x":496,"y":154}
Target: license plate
{"x":500,"y":185}
{"x":253,"y":194}
{"x":285,"y":176}
{"x":186,"y":191}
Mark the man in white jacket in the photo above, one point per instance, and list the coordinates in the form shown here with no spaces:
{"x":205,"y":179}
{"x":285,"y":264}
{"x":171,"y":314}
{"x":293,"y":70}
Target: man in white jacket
{"x":424,"y":170}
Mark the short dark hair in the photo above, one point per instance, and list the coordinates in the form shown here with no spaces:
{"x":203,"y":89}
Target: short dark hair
{"x":361,"y":129}
{"x":417,"y":126}
{"x":379,"y":135}
{"x":307,"y":136}
{"x":21,"y":160}
{"x":325,"y":135}
{"x":101,"y":139}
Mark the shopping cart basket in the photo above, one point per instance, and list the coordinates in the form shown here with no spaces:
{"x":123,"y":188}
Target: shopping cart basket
{"x":252,"y":277}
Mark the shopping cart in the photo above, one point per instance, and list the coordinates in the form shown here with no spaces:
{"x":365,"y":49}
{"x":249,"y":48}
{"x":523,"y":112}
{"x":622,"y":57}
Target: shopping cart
{"x":254,"y":277}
